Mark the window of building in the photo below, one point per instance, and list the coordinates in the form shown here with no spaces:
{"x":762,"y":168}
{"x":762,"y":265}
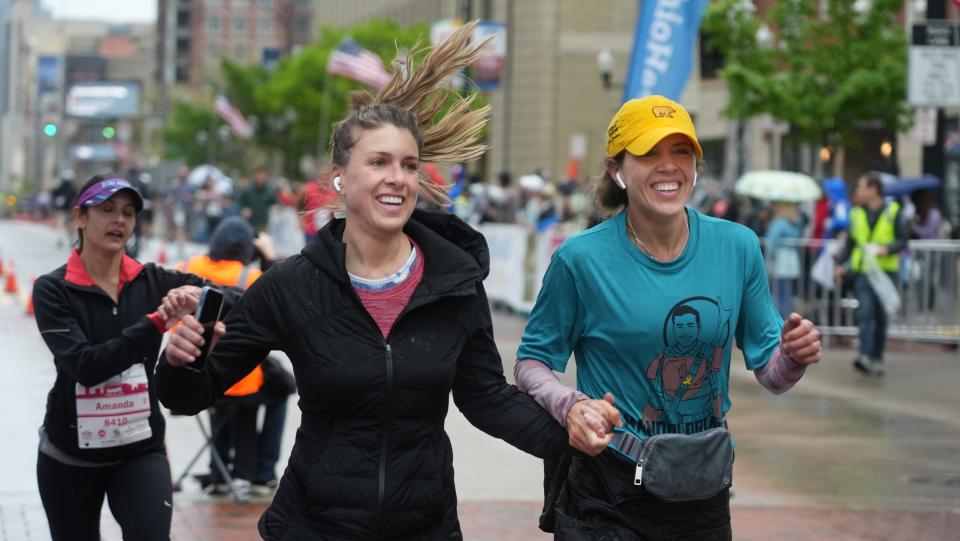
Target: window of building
{"x":213,"y":23}
{"x":266,"y":24}
{"x":711,"y":61}
{"x":239,"y":52}
{"x":214,"y":51}
{"x":713,"y":154}
{"x":265,"y":3}
{"x":303,"y":28}
{"x":240,"y":23}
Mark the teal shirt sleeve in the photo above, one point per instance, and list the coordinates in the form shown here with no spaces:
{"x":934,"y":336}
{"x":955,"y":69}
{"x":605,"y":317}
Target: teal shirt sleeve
{"x":557,"y":319}
{"x":759,"y":326}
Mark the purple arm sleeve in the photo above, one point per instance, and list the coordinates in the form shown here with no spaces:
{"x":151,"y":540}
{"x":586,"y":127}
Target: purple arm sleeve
{"x":780,"y":373}
{"x":538,"y":380}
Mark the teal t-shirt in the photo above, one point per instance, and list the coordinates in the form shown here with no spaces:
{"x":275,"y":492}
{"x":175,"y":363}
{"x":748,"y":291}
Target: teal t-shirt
{"x":658,"y":336}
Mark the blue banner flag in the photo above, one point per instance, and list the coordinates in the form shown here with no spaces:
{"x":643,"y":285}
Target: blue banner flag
{"x":663,"y":47}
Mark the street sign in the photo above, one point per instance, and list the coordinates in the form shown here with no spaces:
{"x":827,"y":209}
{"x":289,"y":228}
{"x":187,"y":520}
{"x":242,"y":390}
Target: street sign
{"x":934,"y":71}
{"x":925,"y":125}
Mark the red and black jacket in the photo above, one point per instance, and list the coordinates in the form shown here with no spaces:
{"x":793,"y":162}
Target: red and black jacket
{"x":92,"y":339}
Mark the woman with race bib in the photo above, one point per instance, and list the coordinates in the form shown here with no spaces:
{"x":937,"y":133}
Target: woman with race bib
{"x":102,"y":315}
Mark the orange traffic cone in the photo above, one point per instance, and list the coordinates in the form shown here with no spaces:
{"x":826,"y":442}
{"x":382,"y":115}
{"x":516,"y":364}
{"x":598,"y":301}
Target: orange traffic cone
{"x":30,"y":299}
{"x":162,"y":255}
{"x":11,"y":281}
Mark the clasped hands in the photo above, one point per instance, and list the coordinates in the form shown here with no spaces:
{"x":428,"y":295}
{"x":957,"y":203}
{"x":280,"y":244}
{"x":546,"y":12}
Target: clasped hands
{"x":590,"y":424}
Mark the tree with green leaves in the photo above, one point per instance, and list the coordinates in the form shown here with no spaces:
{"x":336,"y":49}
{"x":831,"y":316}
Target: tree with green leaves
{"x":828,"y":68}
{"x":285,"y":104}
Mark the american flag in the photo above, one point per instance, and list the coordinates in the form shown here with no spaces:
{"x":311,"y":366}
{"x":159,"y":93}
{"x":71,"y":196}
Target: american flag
{"x":354,"y":62}
{"x":233,"y":117}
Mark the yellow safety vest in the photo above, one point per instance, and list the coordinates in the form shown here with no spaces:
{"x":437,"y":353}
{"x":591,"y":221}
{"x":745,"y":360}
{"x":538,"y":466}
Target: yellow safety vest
{"x":883,"y":234}
{"x":228,"y":273}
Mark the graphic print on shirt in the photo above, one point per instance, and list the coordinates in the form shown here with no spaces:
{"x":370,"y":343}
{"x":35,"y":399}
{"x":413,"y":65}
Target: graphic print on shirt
{"x":686,"y":375}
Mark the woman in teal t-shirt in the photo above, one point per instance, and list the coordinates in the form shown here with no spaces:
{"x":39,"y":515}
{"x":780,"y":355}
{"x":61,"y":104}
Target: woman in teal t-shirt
{"x":650,"y":302}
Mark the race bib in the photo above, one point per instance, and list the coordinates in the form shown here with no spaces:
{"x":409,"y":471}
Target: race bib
{"x":115,"y":412}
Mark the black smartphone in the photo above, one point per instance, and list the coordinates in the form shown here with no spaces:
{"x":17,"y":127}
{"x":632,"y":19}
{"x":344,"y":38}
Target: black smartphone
{"x":208,"y":313}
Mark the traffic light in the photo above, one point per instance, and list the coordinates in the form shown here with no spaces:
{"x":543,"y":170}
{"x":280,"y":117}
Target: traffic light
{"x":109,"y":132}
{"x":50,"y":129}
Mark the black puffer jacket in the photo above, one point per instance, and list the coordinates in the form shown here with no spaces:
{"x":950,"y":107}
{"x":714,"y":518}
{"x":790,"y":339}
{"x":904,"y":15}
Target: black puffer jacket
{"x":371,"y":459}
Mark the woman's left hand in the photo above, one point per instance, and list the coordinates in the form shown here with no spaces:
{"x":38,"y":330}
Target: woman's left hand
{"x":178,"y":303}
{"x":801,"y":340}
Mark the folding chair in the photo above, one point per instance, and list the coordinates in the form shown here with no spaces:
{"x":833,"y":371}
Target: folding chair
{"x":237,"y":495}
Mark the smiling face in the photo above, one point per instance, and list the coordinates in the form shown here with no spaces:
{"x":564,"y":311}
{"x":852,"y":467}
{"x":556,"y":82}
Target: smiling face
{"x":109,"y":225}
{"x":660,"y":181}
{"x":686,"y":329}
{"x":380,"y":181}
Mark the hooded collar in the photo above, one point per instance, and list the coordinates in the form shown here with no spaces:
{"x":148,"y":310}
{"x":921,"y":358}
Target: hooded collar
{"x":77,"y":272}
{"x":454,"y":253}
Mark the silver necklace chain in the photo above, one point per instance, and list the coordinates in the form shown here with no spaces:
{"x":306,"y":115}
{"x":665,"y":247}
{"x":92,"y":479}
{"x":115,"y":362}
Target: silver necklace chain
{"x":643,"y":247}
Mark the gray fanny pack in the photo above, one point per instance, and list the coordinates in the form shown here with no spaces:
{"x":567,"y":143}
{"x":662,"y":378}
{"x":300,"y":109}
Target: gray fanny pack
{"x":680,"y":467}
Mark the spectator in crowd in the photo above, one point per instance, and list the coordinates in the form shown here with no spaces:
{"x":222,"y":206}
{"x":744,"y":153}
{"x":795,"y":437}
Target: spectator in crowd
{"x":505,"y":199}
{"x":143,"y":226}
{"x":62,"y":199}
{"x":314,"y":201}
{"x":255,"y":201}
{"x":875,"y":226}
{"x":759,"y":218}
{"x":783,"y":259}
{"x":233,"y":246}
{"x":212,"y":205}
{"x":178,"y":206}
{"x":927,"y":222}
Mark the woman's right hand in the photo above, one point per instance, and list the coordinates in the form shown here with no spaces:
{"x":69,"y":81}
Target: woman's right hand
{"x":186,"y":340}
{"x":590,"y":424}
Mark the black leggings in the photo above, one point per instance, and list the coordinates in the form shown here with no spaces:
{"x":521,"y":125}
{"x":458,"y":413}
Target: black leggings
{"x":139,"y":491}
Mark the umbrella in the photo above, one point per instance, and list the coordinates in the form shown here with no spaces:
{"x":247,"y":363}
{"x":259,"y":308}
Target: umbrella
{"x":778,"y":186}
{"x":896,"y":187}
{"x":221,"y":182}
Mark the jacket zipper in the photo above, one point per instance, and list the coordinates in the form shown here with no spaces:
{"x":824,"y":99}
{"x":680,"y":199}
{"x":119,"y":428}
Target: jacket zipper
{"x":384,"y":440}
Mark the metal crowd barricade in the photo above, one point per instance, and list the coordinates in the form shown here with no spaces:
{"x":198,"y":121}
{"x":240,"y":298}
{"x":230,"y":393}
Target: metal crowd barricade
{"x":927,"y":284}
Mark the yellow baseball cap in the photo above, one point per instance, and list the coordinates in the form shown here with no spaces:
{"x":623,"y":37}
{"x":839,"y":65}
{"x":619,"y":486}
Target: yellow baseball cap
{"x":641,"y":123}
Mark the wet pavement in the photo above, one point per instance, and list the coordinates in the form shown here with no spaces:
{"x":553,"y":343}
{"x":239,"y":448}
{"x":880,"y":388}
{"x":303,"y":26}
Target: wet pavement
{"x":839,"y":457}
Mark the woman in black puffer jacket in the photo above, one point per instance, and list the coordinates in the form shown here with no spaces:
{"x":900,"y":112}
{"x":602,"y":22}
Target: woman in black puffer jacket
{"x":382,"y":317}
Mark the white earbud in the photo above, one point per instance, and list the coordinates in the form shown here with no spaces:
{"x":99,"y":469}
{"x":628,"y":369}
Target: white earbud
{"x":694,"y":178}
{"x":620,"y":182}
{"x":336,"y":183}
